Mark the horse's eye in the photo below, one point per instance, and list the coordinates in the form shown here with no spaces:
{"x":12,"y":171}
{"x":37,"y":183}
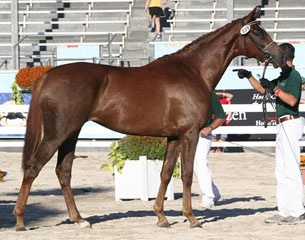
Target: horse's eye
{"x":257,"y":31}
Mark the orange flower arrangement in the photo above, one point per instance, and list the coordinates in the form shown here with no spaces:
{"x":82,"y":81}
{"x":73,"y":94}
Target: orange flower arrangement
{"x":26,"y":76}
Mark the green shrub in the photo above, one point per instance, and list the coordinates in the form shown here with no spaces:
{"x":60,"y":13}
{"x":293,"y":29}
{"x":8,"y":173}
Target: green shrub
{"x":132,"y":147}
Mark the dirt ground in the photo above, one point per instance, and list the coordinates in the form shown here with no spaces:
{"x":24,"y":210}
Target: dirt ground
{"x":246,"y":182}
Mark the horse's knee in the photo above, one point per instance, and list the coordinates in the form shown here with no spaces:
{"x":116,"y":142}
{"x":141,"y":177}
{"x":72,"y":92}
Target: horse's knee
{"x":187,"y":178}
{"x":167,"y":172}
{"x":165,"y":178}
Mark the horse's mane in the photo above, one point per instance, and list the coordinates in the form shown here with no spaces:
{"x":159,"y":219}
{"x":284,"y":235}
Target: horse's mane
{"x":201,"y":38}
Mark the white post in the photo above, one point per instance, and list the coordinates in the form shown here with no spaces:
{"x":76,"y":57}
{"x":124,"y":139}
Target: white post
{"x":144,"y":178}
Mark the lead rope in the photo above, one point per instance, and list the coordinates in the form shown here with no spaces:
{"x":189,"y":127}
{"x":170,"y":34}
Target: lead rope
{"x":265,"y":98}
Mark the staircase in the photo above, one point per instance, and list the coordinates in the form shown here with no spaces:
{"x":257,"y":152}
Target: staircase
{"x":137,"y":50}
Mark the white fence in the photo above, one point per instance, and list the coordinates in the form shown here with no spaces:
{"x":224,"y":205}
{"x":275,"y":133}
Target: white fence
{"x":94,"y":134}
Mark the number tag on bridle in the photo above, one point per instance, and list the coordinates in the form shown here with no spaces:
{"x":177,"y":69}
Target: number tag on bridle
{"x":245,"y":29}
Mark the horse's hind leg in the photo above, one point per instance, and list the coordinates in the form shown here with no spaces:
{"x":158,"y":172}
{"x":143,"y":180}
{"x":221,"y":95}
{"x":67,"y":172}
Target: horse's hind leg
{"x":31,"y":171}
{"x":63,"y":170}
{"x":170,"y":160}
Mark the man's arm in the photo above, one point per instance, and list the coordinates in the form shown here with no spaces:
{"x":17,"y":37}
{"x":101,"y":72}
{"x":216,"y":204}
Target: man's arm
{"x":256,"y":85}
{"x":285,"y":97}
{"x":215,"y":124}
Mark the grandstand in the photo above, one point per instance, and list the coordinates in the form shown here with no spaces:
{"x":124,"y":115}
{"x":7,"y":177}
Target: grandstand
{"x":283,"y":19}
{"x":45,"y":24}
{"x":31,"y":30}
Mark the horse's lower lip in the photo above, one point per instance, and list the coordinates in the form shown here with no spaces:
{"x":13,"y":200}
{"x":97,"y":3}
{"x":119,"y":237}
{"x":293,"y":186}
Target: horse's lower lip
{"x":275,"y":64}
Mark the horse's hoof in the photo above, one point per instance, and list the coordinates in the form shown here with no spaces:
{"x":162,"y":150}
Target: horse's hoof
{"x":195,"y":225}
{"x":84,"y":224}
{"x":20,"y":229}
{"x":163,"y":224}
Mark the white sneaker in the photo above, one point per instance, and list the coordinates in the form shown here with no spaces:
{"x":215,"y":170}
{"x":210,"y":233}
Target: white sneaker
{"x":206,"y":205}
{"x":210,"y":204}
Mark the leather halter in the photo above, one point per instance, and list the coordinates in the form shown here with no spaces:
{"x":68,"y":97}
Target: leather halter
{"x":267,"y":57}
{"x":265,"y":50}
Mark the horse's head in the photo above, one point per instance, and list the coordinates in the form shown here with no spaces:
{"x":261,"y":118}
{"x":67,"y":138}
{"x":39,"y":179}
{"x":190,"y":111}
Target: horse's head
{"x":257,"y":43}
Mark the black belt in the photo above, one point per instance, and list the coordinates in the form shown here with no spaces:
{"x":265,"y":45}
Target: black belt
{"x":286,"y":118}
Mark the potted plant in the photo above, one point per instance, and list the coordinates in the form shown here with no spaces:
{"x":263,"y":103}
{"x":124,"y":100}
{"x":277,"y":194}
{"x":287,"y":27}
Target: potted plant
{"x":137,"y":162}
{"x":24,"y":80}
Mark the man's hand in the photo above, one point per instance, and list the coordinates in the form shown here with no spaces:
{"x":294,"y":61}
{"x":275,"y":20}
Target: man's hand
{"x":205,"y":131}
{"x":267,"y":84}
{"x":243,"y":73}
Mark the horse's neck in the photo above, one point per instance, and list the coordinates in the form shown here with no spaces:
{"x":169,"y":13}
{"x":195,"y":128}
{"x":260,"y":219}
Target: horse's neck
{"x":214,"y":53}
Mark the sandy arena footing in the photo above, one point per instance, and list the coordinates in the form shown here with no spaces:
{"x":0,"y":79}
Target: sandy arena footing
{"x":246,"y":182}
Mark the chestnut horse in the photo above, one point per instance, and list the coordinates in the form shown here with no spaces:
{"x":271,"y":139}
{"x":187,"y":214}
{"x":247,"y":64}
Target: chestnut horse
{"x":169,"y":97}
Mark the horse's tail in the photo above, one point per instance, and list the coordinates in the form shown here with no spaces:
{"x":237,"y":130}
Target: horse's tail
{"x":33,"y":134}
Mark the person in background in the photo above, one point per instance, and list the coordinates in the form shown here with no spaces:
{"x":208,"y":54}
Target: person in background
{"x":287,"y":89}
{"x":224,"y":98}
{"x":154,"y":7}
{"x":210,"y":192}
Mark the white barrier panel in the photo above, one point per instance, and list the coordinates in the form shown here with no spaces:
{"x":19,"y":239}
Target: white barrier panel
{"x":92,"y":130}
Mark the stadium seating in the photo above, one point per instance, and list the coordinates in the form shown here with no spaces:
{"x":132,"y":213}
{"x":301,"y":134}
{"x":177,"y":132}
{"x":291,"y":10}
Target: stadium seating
{"x":46,"y":24}
{"x":283,"y":20}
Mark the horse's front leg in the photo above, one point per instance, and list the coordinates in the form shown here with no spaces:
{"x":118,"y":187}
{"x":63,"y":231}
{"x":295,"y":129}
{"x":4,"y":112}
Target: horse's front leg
{"x":187,"y":163}
{"x":63,"y":172}
{"x":170,"y":160}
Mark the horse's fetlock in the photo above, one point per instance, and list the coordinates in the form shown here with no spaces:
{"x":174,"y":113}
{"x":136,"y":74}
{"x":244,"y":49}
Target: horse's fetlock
{"x":157,"y":209}
{"x":16,"y":212}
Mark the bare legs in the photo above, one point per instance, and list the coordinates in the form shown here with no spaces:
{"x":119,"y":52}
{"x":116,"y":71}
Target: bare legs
{"x":158,"y":25}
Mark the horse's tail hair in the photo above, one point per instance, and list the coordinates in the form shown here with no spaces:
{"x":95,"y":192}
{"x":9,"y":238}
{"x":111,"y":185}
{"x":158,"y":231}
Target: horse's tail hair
{"x":33,"y":134}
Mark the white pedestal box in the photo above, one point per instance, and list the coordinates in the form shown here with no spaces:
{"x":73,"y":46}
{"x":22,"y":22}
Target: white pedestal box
{"x":140,"y":179}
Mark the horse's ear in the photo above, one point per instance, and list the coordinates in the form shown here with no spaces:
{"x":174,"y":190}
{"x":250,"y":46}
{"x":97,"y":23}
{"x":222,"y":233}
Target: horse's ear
{"x":253,"y":15}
